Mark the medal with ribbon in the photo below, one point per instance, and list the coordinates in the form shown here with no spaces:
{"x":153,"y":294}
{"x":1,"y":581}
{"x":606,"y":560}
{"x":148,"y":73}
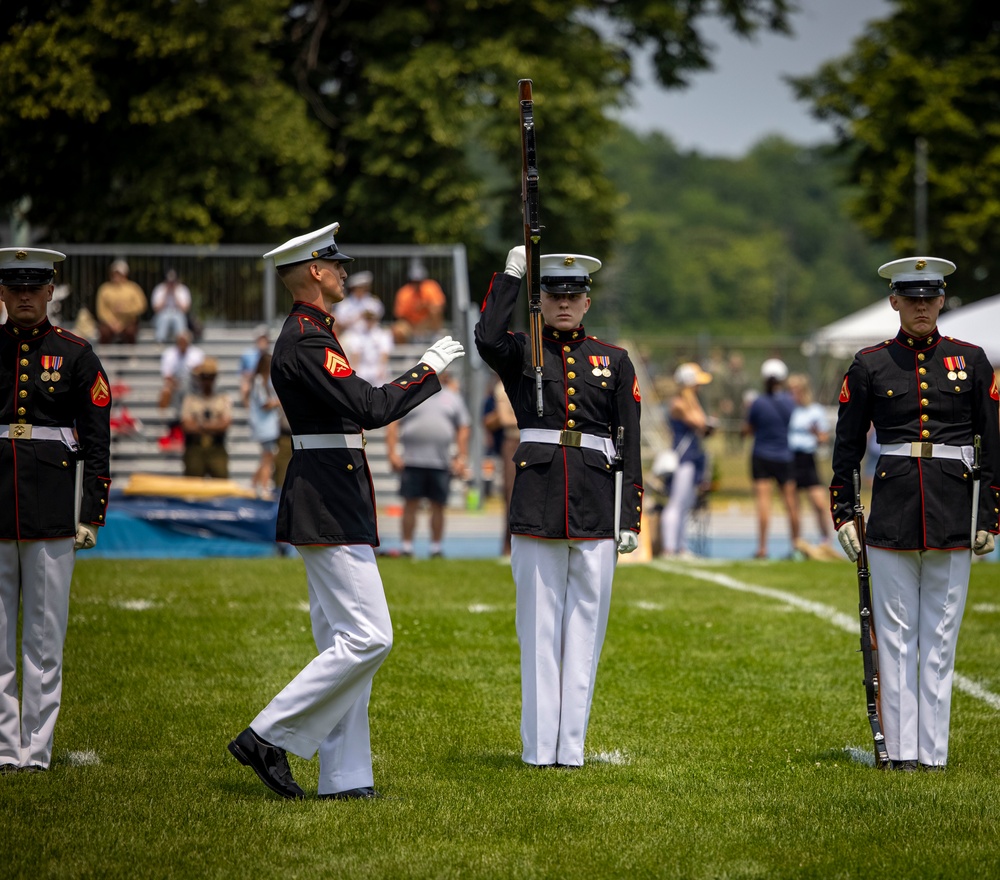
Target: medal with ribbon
{"x":600,"y":363}
{"x":50,"y":367}
{"x":956,"y":368}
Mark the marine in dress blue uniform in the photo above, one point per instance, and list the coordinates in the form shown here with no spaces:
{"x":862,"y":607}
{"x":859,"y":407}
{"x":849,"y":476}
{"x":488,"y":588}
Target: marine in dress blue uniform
{"x":562,"y":517}
{"x":55,"y":435}
{"x":327,"y":510}
{"x":928,"y":397}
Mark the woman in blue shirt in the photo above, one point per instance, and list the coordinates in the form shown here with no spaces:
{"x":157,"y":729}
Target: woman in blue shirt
{"x":771,"y":460}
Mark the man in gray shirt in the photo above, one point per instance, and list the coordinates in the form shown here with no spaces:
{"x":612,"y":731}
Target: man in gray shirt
{"x":427,"y":446}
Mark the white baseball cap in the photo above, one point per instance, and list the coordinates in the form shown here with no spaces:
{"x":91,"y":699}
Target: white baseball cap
{"x":690,"y":374}
{"x":774,"y":368}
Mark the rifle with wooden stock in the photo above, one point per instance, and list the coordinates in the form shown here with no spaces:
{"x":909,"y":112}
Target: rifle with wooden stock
{"x":532,"y":232}
{"x":869,"y":644}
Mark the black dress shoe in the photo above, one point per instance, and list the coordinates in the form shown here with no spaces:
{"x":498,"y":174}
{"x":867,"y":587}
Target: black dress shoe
{"x":352,"y":794}
{"x":933,"y":768}
{"x":905,"y":766}
{"x":34,"y":768}
{"x":8,"y":769}
{"x":269,"y":762}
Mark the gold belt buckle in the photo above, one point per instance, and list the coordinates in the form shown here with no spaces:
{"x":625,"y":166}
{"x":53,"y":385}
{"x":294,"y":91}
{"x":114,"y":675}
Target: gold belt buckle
{"x":921,"y":449}
{"x":364,"y":441}
{"x":19,"y":432}
{"x":570,"y":438}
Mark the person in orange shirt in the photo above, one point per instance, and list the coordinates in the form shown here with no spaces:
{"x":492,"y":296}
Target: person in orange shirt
{"x":418,"y":306}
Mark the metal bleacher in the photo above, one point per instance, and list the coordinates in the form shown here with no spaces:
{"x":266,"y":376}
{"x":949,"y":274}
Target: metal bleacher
{"x":134,"y":374}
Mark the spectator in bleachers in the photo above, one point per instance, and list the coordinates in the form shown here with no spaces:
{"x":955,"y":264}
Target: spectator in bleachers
{"x":249,"y":358}
{"x":418,"y":306}
{"x":205,"y":417}
{"x":265,"y":425}
{"x":54,"y":309}
{"x":359,"y":300}
{"x":368,"y":345}
{"x":120,"y":304}
{"x":171,"y":300}
{"x":177,"y":365}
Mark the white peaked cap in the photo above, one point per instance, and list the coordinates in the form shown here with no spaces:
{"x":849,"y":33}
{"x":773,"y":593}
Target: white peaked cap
{"x":317,"y":245}
{"x":916,"y":273}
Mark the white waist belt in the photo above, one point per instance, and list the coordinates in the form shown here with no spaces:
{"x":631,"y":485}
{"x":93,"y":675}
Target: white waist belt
{"x":39,"y":432}
{"x":569,"y":438}
{"x":328,"y":441}
{"x":919,"y":449}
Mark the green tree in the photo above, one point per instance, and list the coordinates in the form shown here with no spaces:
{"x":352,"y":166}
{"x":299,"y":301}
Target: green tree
{"x":757,"y":245}
{"x":930,"y":70}
{"x":161,"y":120}
{"x":190,"y":121}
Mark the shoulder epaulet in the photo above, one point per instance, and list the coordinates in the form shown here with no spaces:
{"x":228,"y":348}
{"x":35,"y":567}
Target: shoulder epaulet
{"x":605,"y":344}
{"x":308,"y":322}
{"x":70,"y":337}
{"x":962,"y":342}
{"x":878,"y":347}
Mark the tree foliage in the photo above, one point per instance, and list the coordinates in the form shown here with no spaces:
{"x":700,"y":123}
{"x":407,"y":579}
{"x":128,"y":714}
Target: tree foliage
{"x":164,"y":120}
{"x":181,"y":120}
{"x":757,"y":245}
{"x":930,"y":70}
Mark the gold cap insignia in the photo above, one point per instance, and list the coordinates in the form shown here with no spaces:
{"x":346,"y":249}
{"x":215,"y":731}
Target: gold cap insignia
{"x":921,"y":264}
{"x":569,"y":261}
{"x":21,"y":255}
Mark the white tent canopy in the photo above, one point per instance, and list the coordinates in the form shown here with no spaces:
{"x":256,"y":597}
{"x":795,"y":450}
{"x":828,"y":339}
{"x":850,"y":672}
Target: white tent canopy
{"x":978,"y":323}
{"x":843,"y":338}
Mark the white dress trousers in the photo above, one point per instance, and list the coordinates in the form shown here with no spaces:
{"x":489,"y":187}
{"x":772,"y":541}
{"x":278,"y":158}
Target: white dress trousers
{"x":683,"y":494}
{"x":36,"y":574}
{"x":918,"y":598}
{"x":563,"y":599}
{"x":325,"y":707}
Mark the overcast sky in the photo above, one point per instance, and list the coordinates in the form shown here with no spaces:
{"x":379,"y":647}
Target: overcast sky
{"x":726,"y":111}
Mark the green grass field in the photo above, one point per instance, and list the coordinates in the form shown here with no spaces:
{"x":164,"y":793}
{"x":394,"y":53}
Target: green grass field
{"x":726,"y":741}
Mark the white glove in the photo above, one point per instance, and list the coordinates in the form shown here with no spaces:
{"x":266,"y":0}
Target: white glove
{"x":86,"y":537}
{"x":847,"y":534}
{"x":983,"y":543}
{"x":442,"y":353}
{"x":627,"y":541}
{"x":517,"y":262}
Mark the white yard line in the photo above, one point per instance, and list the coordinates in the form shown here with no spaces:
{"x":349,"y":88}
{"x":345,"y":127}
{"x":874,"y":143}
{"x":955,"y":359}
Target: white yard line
{"x":824,"y":612}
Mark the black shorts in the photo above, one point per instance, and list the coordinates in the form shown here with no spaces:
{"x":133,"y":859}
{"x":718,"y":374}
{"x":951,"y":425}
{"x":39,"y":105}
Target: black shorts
{"x":804,"y":469}
{"x":421,"y":482}
{"x":767,"y":469}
